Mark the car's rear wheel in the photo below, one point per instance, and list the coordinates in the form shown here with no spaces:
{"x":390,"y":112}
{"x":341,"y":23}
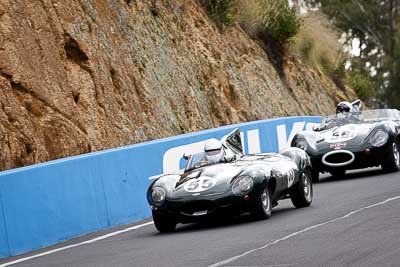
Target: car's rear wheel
{"x":392,"y":161}
{"x":337,"y":172}
{"x":302,"y":192}
{"x":164,"y":223}
{"x":262,"y":206}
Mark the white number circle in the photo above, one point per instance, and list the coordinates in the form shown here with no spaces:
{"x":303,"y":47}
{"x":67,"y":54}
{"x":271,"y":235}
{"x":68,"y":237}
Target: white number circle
{"x":199,"y":185}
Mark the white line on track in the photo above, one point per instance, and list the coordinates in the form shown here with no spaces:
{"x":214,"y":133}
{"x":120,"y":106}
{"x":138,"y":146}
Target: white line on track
{"x":78,"y":244}
{"x":220,"y":263}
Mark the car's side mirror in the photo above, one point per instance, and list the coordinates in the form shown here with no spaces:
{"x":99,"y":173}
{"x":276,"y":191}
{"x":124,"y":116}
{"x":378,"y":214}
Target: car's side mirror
{"x":186,"y":156}
{"x":316,"y":129}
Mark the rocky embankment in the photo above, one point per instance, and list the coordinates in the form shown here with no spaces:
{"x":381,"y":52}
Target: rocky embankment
{"x":81,"y":76}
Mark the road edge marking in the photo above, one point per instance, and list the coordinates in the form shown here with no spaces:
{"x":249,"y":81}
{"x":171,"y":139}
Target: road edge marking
{"x":76,"y":245}
{"x":351,"y":213}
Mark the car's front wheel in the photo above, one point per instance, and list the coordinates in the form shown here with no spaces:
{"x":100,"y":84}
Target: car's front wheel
{"x":164,"y":223}
{"x":262,"y":206}
{"x":302,"y":192}
{"x":392,"y":161}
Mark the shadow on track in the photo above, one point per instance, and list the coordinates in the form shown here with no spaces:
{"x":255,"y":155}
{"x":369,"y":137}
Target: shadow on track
{"x":235,"y":221}
{"x":353,"y":175}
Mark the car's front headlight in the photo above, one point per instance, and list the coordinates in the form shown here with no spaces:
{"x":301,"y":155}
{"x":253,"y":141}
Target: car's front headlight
{"x":242,"y":185}
{"x":158,"y":195}
{"x":379,"y":138}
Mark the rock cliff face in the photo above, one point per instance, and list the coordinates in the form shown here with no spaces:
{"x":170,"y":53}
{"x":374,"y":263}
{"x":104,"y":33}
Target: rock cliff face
{"x":86,"y":75}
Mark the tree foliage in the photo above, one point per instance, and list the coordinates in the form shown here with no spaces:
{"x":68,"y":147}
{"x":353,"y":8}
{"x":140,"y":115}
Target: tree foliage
{"x":278,"y":21}
{"x":223,"y":11}
{"x":375,"y":24}
{"x":270,"y":19}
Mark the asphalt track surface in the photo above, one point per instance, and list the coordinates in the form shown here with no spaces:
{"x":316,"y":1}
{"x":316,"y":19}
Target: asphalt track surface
{"x":353,"y":221}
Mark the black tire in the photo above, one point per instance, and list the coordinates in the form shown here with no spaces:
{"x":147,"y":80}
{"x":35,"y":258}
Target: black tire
{"x":164,"y":224}
{"x":338,"y":172}
{"x":302,"y":192}
{"x":262,"y":205}
{"x":392,"y":161}
{"x":315,"y":175}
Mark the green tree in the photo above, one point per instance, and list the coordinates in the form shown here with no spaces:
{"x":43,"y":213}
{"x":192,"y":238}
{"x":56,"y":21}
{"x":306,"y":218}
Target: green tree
{"x":375,"y":24}
{"x":279,"y":22}
{"x":223,"y":11}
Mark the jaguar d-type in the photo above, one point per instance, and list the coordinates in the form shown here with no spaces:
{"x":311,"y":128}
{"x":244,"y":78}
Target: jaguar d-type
{"x":354,"y":140}
{"x":238,"y":184}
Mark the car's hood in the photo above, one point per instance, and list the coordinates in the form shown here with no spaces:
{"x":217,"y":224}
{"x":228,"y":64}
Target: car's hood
{"x":214,"y":179}
{"x":345,"y":133}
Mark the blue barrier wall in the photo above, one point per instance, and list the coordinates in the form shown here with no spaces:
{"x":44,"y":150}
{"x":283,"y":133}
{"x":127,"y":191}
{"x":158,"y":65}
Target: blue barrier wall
{"x":47,"y":203}
{"x":4,"y":250}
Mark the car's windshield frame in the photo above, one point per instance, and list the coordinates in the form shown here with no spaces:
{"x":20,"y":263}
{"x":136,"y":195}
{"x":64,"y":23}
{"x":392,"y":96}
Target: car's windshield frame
{"x":196,"y":160}
{"x":366,"y":116}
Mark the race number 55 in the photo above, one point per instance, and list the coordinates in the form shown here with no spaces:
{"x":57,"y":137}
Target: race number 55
{"x":200,"y":184}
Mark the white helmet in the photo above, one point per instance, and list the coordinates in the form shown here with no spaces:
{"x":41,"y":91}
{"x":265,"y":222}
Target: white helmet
{"x":344,"y":107}
{"x":214,"y":151}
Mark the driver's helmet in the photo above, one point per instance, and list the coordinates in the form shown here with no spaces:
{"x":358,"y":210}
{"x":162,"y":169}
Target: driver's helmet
{"x":344,"y":107}
{"x":347,"y":110}
{"x":214,"y":151}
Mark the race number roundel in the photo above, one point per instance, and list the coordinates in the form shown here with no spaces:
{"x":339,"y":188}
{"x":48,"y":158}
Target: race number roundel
{"x":199,"y":185}
{"x":343,"y":134}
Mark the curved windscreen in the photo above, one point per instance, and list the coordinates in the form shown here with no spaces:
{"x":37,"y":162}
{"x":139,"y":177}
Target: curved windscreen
{"x":366,"y":116}
{"x":196,"y":161}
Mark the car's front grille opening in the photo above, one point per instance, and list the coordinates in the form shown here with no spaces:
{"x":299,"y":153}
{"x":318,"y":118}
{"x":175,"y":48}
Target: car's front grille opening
{"x":338,"y":158}
{"x":196,"y":206}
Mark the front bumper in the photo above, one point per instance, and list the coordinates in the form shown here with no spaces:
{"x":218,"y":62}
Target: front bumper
{"x":194,"y":210}
{"x":364,"y":157}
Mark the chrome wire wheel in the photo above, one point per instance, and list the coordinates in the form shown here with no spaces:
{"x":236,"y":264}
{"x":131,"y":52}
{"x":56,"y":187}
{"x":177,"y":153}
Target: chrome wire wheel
{"x":261,"y":206}
{"x":265,"y":200}
{"x":302,"y":192}
{"x":396,"y":154}
{"x":307,"y":186}
{"x":391,"y":163}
